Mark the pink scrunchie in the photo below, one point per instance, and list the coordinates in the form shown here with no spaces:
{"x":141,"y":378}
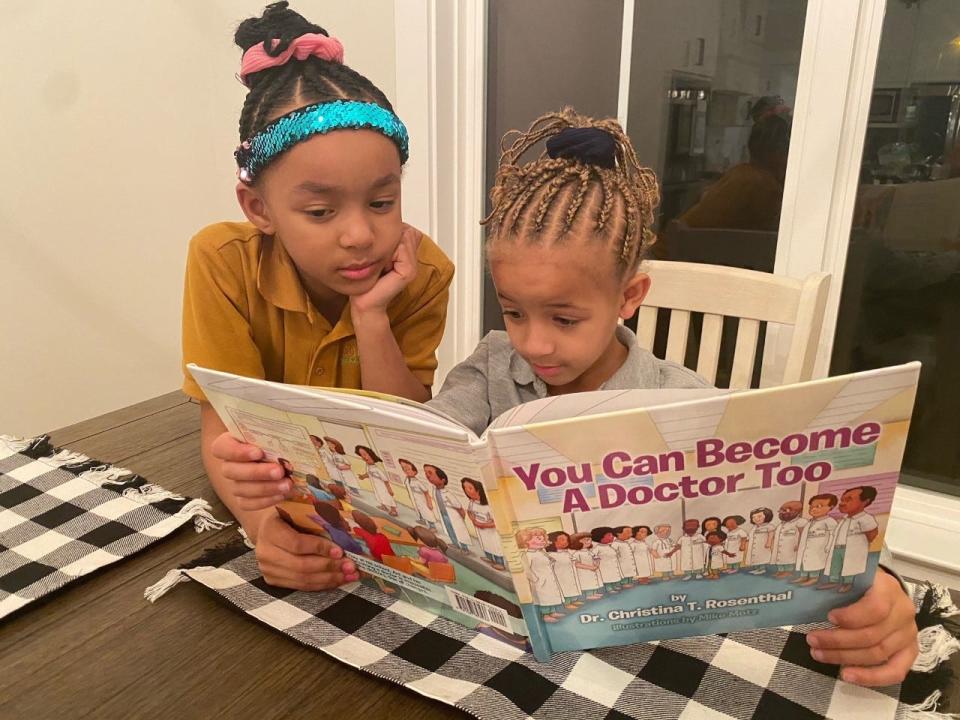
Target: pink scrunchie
{"x":256,"y":58}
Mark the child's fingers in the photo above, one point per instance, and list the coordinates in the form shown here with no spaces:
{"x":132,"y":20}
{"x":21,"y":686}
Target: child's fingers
{"x":891,"y":672}
{"x":255,"y":472}
{"x":280,"y":576}
{"x":850,"y":638}
{"x":290,"y":541}
{"x":883,"y":598}
{"x":412,"y":237}
{"x":312,"y":545}
{"x":303,"y":572}
{"x":874,"y":654}
{"x":867,"y":611}
{"x":307,"y":566}
{"x":228,"y":448}
{"x":259,"y":494}
{"x":259,"y":503}
{"x":405,"y":257}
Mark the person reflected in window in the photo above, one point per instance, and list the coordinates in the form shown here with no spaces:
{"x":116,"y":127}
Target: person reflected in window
{"x":748,"y":196}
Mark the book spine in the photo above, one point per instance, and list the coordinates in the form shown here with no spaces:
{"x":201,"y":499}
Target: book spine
{"x":537,"y":629}
{"x":484,"y":453}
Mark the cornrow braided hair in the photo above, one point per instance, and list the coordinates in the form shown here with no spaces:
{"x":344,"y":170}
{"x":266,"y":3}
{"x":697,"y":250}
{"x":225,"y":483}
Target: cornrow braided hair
{"x":308,"y":81}
{"x":554,"y":194}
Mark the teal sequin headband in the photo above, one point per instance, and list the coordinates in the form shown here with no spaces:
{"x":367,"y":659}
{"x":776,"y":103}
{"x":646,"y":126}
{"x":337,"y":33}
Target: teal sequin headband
{"x":255,"y":154}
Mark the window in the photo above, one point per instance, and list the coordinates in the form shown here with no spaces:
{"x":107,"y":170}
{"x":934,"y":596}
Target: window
{"x":901,"y":290}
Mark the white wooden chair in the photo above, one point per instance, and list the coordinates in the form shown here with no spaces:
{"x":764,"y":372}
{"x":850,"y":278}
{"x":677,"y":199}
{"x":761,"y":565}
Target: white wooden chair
{"x":752,"y":297}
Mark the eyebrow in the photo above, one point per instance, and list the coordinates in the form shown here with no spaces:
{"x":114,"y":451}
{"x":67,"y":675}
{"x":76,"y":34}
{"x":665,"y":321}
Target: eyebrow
{"x":555,"y":305}
{"x":321,"y":189}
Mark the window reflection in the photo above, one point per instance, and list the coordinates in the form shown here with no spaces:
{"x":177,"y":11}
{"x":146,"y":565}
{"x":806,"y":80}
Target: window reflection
{"x":748,"y":196}
{"x":719,"y":135}
{"x":716,"y":129}
{"x":901,"y":291}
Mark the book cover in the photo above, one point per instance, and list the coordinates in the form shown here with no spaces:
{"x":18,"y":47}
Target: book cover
{"x":601,"y":518}
{"x":751,"y":509}
{"x":396,"y":485}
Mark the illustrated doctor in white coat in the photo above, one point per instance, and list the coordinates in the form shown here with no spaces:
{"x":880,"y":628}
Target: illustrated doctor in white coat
{"x":851,"y":541}
{"x":539,"y":569}
{"x":815,"y":540}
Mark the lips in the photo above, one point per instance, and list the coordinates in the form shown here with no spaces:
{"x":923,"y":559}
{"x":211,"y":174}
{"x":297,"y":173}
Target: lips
{"x":357,"y":271}
{"x":546,"y":371}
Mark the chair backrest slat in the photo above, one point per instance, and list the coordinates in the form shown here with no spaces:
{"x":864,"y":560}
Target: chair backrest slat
{"x":748,"y":331}
{"x":710,"y":338}
{"x":647,"y":327}
{"x":749,"y":296}
{"x":677,"y":335}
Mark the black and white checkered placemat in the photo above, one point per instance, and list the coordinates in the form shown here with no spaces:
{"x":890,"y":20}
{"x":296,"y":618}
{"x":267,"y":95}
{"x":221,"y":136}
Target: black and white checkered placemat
{"x":63,"y":516}
{"x":759,"y":674}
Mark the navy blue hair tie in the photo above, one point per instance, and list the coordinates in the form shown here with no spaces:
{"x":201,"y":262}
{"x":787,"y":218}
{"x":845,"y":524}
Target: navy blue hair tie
{"x":592,"y":146}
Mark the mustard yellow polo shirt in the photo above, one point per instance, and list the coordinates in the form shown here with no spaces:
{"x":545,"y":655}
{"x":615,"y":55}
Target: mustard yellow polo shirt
{"x":245,"y":311}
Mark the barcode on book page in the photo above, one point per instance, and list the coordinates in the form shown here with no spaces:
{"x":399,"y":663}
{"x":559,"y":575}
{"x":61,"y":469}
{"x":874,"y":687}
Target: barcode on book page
{"x":479,"y":609}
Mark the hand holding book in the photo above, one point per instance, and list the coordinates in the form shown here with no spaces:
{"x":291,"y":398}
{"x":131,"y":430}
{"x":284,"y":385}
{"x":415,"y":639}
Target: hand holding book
{"x":875,"y":638}
{"x":292,"y":559}
{"x":255,"y":483}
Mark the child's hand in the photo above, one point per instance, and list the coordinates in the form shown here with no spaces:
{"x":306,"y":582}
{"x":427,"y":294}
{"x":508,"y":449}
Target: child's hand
{"x":397,"y":277}
{"x":300,"y":561}
{"x":876,"y":637}
{"x":254,"y":484}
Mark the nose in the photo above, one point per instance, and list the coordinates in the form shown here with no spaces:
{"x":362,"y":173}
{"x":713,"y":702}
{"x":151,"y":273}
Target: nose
{"x":356,"y":231}
{"x":537,"y":342}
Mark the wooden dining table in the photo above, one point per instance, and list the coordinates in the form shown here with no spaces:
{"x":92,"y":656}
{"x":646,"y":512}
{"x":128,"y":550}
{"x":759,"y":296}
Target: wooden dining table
{"x":97,"y":649}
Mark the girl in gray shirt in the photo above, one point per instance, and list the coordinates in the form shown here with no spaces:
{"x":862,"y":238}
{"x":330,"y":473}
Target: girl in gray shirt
{"x":567,"y":235}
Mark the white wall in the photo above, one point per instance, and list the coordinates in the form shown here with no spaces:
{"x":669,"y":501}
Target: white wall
{"x":119,"y":122}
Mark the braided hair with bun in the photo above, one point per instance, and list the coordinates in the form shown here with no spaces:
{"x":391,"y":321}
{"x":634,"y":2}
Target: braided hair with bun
{"x":587,"y":178}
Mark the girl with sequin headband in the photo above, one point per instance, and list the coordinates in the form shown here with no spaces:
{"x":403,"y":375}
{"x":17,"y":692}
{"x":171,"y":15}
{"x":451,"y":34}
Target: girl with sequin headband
{"x":567,"y":235}
{"x":324,"y":284}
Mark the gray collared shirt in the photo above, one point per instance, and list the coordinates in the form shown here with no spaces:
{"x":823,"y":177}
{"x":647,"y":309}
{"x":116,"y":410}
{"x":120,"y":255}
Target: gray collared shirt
{"x":495,"y":379}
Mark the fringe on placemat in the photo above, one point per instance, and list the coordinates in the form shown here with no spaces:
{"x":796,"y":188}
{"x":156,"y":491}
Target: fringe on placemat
{"x":65,"y":457}
{"x":942,"y":602}
{"x":927,"y":710}
{"x":148,"y":493}
{"x":203,"y":519}
{"x":40,"y":448}
{"x":197,"y":508}
{"x":106,"y":475}
{"x":934,"y":668}
{"x":210,"y":559}
{"x":246,"y":539}
{"x":103,"y":475}
{"x":35,"y":447}
{"x":17,"y":444}
{"x":936,"y":645}
{"x":165,"y":584}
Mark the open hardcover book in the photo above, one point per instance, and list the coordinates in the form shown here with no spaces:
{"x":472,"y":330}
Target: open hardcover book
{"x":600,"y":518}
